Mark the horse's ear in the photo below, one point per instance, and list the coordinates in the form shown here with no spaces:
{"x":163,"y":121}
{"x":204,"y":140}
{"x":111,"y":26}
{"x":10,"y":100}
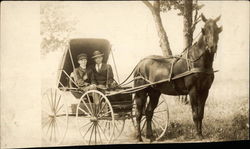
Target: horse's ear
{"x":204,"y":19}
{"x":220,"y":29}
{"x":217,"y":19}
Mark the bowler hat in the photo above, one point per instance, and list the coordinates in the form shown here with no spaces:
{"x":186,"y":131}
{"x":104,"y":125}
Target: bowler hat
{"x":97,"y":54}
{"x":81,"y":56}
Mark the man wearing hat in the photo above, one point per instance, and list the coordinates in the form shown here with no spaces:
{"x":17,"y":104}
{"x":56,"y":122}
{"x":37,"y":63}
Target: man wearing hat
{"x":102,"y":74}
{"x":82,"y":74}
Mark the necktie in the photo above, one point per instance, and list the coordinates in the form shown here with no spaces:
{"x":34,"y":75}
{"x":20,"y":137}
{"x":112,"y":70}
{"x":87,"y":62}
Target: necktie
{"x":98,"y":68}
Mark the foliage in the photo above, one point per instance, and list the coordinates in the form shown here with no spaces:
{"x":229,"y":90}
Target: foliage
{"x":167,"y":5}
{"x":55,"y":27}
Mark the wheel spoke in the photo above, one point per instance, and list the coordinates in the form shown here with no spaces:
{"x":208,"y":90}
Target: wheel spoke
{"x":46,"y":112}
{"x":143,"y":125}
{"x":51,"y":130}
{"x":59,"y":109}
{"x":102,"y":108}
{"x":87,"y":130}
{"x":45,"y":123}
{"x":57,"y":104}
{"x":84,"y":111}
{"x":90,"y":103}
{"x":158,"y":124}
{"x":53,"y":108}
{"x":58,"y":127}
{"x":155,"y":129}
{"x":85,"y":125}
{"x":91,"y":133}
{"x":55,"y":100}
{"x":99,"y":134}
{"x":160,"y":119}
{"x":109,"y":133}
{"x":103,"y":132}
{"x":49,"y":126}
{"x":50,"y":104}
{"x":95,"y":135}
{"x":54,"y":127}
{"x":91,"y":114}
{"x":54,"y":131}
{"x":104,"y":114}
{"x":106,"y":123}
{"x":100,"y":103}
{"x":116,"y":127}
{"x":160,"y":103}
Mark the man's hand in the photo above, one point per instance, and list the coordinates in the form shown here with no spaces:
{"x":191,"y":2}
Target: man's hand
{"x":113,"y":85}
{"x":101,"y":86}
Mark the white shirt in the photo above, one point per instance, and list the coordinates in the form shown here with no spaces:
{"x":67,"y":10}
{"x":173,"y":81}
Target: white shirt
{"x":98,"y":67}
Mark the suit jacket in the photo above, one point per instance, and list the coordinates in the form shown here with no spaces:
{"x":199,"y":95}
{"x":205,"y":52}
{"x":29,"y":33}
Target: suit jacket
{"x":82,"y":76}
{"x":104,"y":76}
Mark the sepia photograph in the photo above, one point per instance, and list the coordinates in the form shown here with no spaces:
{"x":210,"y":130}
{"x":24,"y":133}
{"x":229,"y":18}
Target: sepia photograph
{"x":96,"y":73}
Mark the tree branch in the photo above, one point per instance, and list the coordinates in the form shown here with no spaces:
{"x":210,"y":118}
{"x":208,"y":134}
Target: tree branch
{"x":149,"y":5}
{"x":196,"y":18}
{"x":195,"y":22}
{"x":156,"y":4}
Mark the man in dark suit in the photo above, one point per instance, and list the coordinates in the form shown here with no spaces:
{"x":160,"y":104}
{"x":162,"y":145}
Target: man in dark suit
{"x":102,"y":74}
{"x":82,"y":75}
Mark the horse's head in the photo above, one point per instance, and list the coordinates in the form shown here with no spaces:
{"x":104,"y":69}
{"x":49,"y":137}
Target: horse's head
{"x":210,"y":33}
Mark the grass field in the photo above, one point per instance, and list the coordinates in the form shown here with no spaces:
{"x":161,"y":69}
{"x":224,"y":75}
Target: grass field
{"x":226,"y":115}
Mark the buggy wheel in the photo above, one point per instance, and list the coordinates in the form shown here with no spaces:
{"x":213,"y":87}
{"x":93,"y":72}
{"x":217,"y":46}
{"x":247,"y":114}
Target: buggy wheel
{"x":54,"y":117}
{"x":160,"y":120}
{"x":95,"y":118}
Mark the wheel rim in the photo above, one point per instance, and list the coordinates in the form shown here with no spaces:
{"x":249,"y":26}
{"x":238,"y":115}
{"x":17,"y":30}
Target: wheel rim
{"x":95,"y":118}
{"x":160,"y":120}
{"x":54,"y":117}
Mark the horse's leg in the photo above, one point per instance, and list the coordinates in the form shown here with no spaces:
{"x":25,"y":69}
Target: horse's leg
{"x":140,"y":99}
{"x":197,"y":100}
{"x":201,"y":106}
{"x":153,"y":101}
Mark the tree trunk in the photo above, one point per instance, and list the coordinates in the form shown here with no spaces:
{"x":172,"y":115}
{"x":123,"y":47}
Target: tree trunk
{"x":188,"y":21}
{"x":164,"y":43}
{"x":188,"y":33}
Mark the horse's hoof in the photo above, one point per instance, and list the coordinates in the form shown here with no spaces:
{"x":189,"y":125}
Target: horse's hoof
{"x":139,"y":139}
{"x":151,"y":140}
{"x":150,"y":137}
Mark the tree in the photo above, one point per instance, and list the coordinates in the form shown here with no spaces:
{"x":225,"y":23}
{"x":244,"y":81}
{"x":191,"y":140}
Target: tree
{"x":155,"y":10}
{"x":55,"y":27}
{"x":189,"y":26}
{"x":186,"y":9}
{"x":189,"y":10}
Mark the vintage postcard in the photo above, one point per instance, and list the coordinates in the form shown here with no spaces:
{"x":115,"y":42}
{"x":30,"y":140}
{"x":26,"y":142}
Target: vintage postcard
{"x":123,"y":72}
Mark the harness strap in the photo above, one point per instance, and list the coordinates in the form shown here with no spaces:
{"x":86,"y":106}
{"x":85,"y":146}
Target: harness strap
{"x":194,"y":70}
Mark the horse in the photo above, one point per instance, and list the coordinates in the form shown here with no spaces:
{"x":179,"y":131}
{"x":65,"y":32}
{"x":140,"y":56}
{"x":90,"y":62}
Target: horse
{"x":189,"y":74}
